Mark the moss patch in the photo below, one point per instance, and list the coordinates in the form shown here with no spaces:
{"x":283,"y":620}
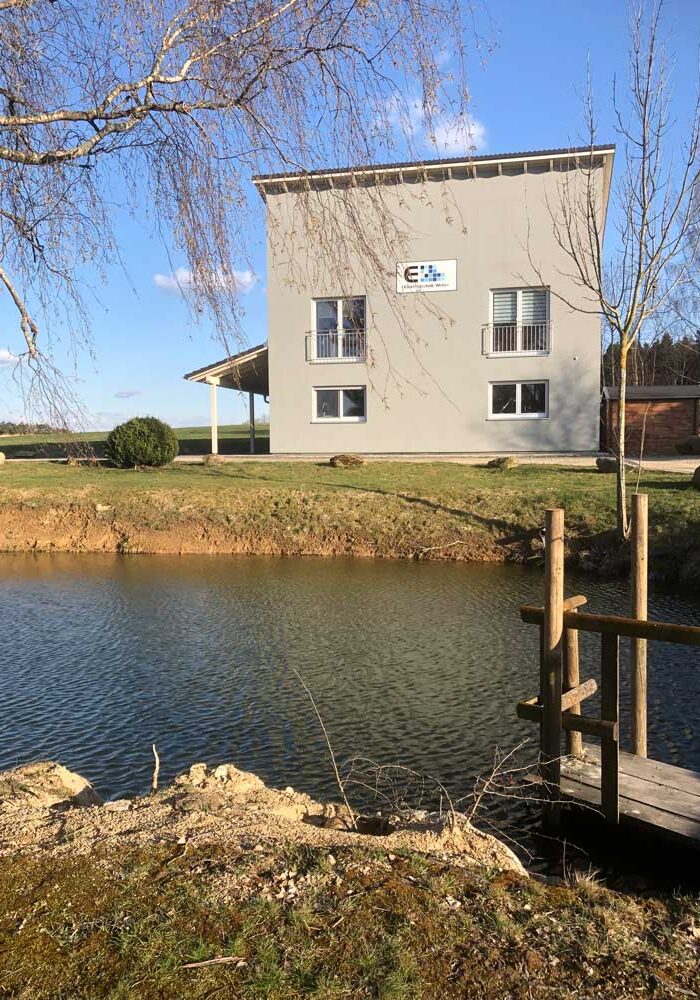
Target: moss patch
{"x":357,"y":924}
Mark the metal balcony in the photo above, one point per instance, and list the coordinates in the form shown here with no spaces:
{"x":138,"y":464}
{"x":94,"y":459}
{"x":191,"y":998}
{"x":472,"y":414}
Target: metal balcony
{"x":323,"y":346}
{"x":516,"y":338}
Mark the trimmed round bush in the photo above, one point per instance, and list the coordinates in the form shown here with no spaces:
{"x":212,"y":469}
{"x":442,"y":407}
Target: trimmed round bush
{"x":141,"y":441}
{"x":504,"y":463}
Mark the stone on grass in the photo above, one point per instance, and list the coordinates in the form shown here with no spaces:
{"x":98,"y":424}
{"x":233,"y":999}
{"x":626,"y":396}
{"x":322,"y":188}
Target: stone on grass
{"x":608,"y":464}
{"x":696,"y":478}
{"x":346,"y":461}
{"x":2,"y":457}
{"x":504,"y":464}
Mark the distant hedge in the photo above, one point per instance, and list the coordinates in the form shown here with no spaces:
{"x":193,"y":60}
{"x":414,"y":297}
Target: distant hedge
{"x":141,"y":441}
{"x":8,"y":427}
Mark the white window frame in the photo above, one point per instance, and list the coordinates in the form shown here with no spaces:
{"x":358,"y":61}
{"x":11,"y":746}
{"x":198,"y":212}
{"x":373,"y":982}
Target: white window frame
{"x":518,"y":383}
{"x":338,"y":299}
{"x":339,"y":419}
{"x":519,"y":353}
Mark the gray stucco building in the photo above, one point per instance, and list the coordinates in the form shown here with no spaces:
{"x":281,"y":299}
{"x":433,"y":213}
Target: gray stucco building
{"x":455,"y":339}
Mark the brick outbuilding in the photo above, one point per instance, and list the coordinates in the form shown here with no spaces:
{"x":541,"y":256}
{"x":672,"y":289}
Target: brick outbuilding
{"x":671,"y":414}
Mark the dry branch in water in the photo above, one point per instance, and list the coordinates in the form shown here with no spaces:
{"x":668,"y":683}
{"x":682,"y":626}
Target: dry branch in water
{"x":167,"y":107}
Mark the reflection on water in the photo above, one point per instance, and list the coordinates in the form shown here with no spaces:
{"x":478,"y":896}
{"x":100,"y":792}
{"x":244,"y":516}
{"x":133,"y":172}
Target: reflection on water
{"x":416,"y":663}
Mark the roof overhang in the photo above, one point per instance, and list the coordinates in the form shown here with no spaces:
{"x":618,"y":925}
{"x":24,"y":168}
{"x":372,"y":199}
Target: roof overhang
{"x":246,"y":372}
{"x":444,"y":169}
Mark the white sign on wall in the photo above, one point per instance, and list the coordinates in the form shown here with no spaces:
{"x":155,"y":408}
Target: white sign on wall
{"x":426,"y":276}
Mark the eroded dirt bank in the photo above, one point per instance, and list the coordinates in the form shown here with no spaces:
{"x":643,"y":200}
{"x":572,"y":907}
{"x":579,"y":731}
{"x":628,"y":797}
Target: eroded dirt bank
{"x":256,"y":526}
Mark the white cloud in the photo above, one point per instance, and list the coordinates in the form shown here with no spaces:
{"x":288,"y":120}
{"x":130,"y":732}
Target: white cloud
{"x":459,"y":135}
{"x":127,"y":393}
{"x":449,"y":136}
{"x":405,"y":115}
{"x":7,"y":358}
{"x":182,"y":279}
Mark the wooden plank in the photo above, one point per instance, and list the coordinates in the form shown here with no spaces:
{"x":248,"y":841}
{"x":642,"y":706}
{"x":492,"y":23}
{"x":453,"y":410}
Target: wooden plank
{"x":642,"y":818}
{"x":683,"y":635}
{"x":551,"y":686}
{"x":575,"y":695}
{"x":571,"y":603}
{"x":609,"y":710}
{"x":531,"y":711}
{"x":639,"y":586}
{"x":638,"y":790}
{"x":655,"y":771}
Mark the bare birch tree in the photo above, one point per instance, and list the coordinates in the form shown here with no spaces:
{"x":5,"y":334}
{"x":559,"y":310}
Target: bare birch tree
{"x":167,"y":107}
{"x":654,"y":214}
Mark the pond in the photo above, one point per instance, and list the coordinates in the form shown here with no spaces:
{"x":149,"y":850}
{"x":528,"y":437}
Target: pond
{"x":418,"y":664}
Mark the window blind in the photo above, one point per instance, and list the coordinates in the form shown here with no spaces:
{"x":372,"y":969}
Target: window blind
{"x":505,"y":307}
{"x":533,"y":306}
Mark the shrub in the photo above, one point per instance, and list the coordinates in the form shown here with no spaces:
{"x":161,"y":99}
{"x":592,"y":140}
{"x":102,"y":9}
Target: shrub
{"x":141,"y":441}
{"x":690,"y":446}
{"x":503,"y":464}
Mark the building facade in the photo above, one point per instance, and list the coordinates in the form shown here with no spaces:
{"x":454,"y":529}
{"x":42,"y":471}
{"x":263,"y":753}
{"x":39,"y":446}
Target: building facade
{"x":464,"y":345}
{"x":453,"y":327}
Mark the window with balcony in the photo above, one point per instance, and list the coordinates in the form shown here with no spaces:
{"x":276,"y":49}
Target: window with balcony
{"x":514,"y":400}
{"x":342,"y":403}
{"x":339,"y":332}
{"x":519,"y":322}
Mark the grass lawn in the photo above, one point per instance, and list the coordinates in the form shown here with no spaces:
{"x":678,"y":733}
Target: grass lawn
{"x":233,"y":440}
{"x":357,"y":924}
{"x":385,"y":509}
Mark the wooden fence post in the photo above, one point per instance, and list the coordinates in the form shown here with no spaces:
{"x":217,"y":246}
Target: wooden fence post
{"x":551,"y":688}
{"x":640,"y":573}
{"x":574,"y":741}
{"x":610,"y":712}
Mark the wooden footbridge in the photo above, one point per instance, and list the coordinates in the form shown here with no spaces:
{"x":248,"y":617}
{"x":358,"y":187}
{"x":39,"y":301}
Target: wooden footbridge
{"x":625,"y":789}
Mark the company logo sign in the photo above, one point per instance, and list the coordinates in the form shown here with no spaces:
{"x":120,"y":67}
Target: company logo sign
{"x":426,"y":276}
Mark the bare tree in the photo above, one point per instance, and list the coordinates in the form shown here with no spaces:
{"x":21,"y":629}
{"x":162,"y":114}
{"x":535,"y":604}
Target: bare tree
{"x":654,"y":212}
{"x":169,"y":106}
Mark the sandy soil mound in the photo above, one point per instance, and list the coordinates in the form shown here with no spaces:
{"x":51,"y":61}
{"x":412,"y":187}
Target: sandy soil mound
{"x":44,"y":807}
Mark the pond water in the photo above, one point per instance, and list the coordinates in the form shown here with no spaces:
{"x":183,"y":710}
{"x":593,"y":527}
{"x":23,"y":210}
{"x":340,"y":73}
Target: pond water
{"x":413,"y":663}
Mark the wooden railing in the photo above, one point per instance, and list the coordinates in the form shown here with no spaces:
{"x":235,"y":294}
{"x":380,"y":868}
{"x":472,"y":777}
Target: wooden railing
{"x":557,"y":709}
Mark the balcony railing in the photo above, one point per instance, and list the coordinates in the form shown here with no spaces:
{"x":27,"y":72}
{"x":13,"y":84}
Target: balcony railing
{"x":517,"y":338}
{"x":341,"y":345}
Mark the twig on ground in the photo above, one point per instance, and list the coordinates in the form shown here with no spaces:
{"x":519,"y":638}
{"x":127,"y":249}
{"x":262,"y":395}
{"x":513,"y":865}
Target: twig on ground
{"x":221,"y":960}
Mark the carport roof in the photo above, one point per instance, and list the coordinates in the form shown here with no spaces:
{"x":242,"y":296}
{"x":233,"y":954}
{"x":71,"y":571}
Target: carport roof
{"x":654,"y":392}
{"x":246,"y":371}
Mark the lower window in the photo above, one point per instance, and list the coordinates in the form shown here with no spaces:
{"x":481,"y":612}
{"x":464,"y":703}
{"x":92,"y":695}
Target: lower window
{"x":518,"y":399}
{"x":341,"y":403}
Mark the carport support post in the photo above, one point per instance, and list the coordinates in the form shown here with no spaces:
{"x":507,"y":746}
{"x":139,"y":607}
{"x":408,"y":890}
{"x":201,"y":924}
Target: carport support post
{"x":251,"y":418}
{"x":214,"y":415}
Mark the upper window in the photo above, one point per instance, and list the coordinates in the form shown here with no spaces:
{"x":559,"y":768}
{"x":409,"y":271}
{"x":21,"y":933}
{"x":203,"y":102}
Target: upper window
{"x":519,"y":321}
{"x":341,"y":403}
{"x":339,"y":330}
{"x":529,"y":400}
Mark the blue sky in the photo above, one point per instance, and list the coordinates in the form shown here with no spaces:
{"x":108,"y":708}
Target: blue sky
{"x":525,"y":95}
